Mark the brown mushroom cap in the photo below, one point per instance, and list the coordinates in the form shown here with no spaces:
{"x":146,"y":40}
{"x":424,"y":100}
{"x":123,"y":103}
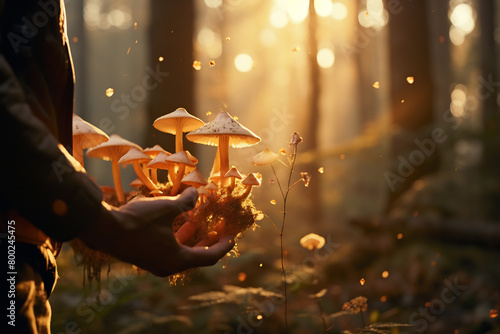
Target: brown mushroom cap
{"x":251,"y":180}
{"x":194,"y":179}
{"x":224,"y":124}
{"x":154,"y":151}
{"x":211,"y":186}
{"x":233,"y":172}
{"x":114,"y":148}
{"x":264,"y":158}
{"x":180,"y":158}
{"x":168,"y":123}
{"x":87,"y":134}
{"x":159,"y":161}
{"x":134,"y":155}
{"x":136,"y":183}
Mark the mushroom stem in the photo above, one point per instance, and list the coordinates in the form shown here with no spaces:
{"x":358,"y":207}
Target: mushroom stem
{"x":224,"y":158}
{"x":177,"y":182}
{"x":247,"y":191}
{"x":154,"y":175}
{"x":216,"y":165}
{"x":145,"y":180}
{"x":178,"y":137}
{"x":233,"y":183}
{"x":117,"y":181}
{"x":78,"y":154}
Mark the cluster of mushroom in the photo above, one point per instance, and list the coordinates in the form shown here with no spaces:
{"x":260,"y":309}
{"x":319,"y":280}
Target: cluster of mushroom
{"x":223,"y":131}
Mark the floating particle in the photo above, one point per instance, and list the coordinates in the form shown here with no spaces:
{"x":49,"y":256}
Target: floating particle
{"x":433,"y":263}
{"x":427,"y":304}
{"x":128,"y":50}
{"x":212,"y":63}
{"x":260,"y":265}
{"x":208,"y":113}
{"x":273,"y":202}
{"x":342,"y":156}
{"x":161,"y":59}
{"x":282,"y":151}
{"x":415,"y":214}
{"x":383,"y":299}
{"x":135,"y":25}
{"x":441,"y":39}
{"x":206,"y":247}
{"x":197,"y":65}
{"x":296,"y":49}
{"x":402,"y":101}
{"x":75,"y":39}
{"x":259,"y":317}
{"x":321,"y":170}
{"x":242,"y":277}
{"x":235,"y":117}
{"x":493,"y":313}
{"x":410,"y":80}
{"x":271,"y":181}
{"x":228,"y":38}
{"x":385,"y":274}
{"x":376,"y":85}
{"x":400,"y":236}
{"x":367,"y":13}
{"x":110,"y":92}
{"x":362,"y":281}
{"x":136,"y":41}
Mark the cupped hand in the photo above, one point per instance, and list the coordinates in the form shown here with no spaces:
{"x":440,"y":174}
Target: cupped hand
{"x":140,"y":233}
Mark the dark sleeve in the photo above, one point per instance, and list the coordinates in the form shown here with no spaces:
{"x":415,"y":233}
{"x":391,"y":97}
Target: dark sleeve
{"x":38,"y":180}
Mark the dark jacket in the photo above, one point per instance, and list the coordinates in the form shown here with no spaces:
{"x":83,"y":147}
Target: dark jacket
{"x":36,"y":108}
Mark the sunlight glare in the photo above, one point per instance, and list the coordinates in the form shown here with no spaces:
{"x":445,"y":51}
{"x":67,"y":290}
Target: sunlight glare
{"x":339,"y":11}
{"x":462,"y":17}
{"x":243,"y":62}
{"x":325,"y":58}
{"x":323,"y":7}
{"x":297,"y":10}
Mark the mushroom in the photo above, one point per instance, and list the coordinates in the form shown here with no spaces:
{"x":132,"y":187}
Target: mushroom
{"x":211,"y":187}
{"x":159,"y":163}
{"x":195,"y":179}
{"x":137,"y":183}
{"x":134,"y":156}
{"x":153,"y":152}
{"x":156,"y":192}
{"x":176,"y":123}
{"x":264,"y":158}
{"x":233,"y":174}
{"x":182,"y":160}
{"x":224,"y":131}
{"x":249,"y":182}
{"x":85,"y":135}
{"x":202,"y":191}
{"x":113,"y":150}
{"x":312,"y":241}
{"x":215,"y":178}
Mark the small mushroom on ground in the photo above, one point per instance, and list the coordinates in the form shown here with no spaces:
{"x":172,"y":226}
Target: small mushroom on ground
{"x":113,"y":150}
{"x":176,"y":123}
{"x":249,"y":182}
{"x":224,"y":131}
{"x":137,"y":183}
{"x":202,"y":191}
{"x":153,"y":152}
{"x":211,"y":187}
{"x":182,"y":160}
{"x":215,"y":178}
{"x":159,"y":163}
{"x":194,"y":179}
{"x":85,"y":135}
{"x":233,"y":174}
{"x":265,"y":157}
{"x":135,"y":157}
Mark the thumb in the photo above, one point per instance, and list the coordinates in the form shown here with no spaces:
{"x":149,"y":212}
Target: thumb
{"x":187,"y":200}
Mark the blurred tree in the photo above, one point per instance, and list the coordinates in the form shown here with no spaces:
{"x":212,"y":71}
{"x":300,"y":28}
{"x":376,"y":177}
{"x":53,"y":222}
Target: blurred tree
{"x":171,"y":37}
{"x":411,"y":102}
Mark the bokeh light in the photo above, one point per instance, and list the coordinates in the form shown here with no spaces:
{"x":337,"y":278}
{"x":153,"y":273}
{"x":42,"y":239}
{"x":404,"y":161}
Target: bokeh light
{"x":339,"y":11}
{"x":325,"y":58}
{"x":243,"y":62}
{"x":278,"y":19}
{"x":458,"y":100}
{"x":213,"y":3}
{"x":323,"y":7}
{"x":297,"y":10}
{"x":462,"y":17}
{"x":374,"y":16}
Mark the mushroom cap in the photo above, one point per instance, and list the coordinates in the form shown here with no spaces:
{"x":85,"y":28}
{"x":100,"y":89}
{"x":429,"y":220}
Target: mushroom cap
{"x":168,"y":123}
{"x":233,"y":172}
{"x":134,"y":155}
{"x":153,"y":151}
{"x":202,"y":190}
{"x":180,"y":158}
{"x":156,"y":192}
{"x":136,"y":183}
{"x":215,"y":177}
{"x":159,"y":162}
{"x":114,"y":148}
{"x":88,"y":134}
{"x":192,"y":157}
{"x":264,"y":158}
{"x":251,"y":180}
{"x":224,"y":125}
{"x":312,"y":241}
{"x":211,"y":186}
{"x":194,"y":178}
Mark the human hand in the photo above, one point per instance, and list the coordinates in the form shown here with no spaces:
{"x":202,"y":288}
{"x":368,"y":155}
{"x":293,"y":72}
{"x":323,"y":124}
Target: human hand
{"x":140,"y":233}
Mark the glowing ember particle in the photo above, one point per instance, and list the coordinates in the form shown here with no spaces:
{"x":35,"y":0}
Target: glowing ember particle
{"x":402,"y":101}
{"x":400,"y":236}
{"x":383,"y":299}
{"x":259,"y":317}
{"x":128,"y":50}
{"x":206,"y":247}
{"x":415,"y":214}
{"x":161,"y":59}
{"x":228,"y":38}
{"x":441,"y":39}
{"x":342,"y":156}
{"x":376,"y":85}
{"x":208,"y":113}
{"x":367,"y":13}
{"x":493,"y":313}
{"x":271,"y":181}
{"x":433,"y":263}
{"x":136,"y":41}
{"x":410,"y":80}
{"x":321,"y":170}
{"x":362,"y":281}
{"x":212,"y":63}
{"x":385,"y":274}
{"x":135,"y":25}
{"x":296,"y":49}
{"x":235,"y":117}
{"x":427,"y":304}
{"x":75,"y":39}
{"x":242,"y":277}
{"x":110,"y":92}
{"x":197,"y":65}
{"x":260,"y":265}
{"x":273,"y":202}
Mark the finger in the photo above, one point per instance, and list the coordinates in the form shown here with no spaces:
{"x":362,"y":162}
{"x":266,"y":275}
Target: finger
{"x":207,"y":256}
{"x":212,"y":238}
{"x":187,"y":200}
{"x":185,"y":232}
